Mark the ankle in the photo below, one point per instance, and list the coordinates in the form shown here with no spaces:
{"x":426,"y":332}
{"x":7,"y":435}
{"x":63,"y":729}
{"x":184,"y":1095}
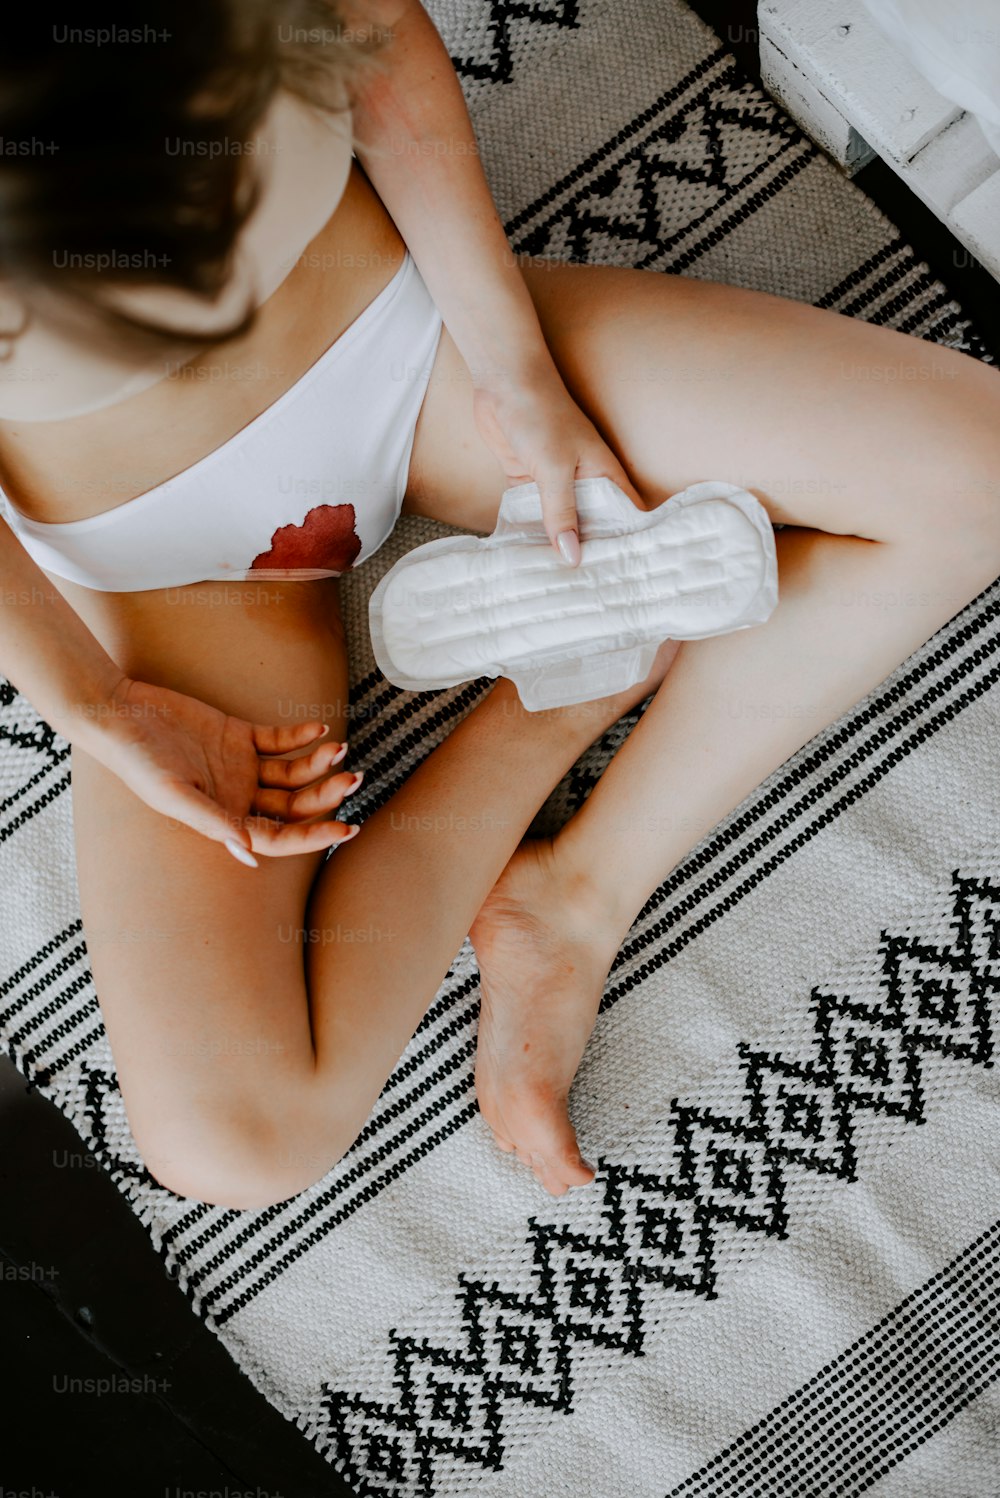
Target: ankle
{"x":594,"y":902}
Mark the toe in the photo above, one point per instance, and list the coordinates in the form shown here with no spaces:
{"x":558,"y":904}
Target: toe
{"x":548,"y":1176}
{"x":559,"y":1148}
{"x":577,"y":1171}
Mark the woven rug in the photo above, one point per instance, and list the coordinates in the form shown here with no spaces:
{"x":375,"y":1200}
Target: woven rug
{"x":786,"y":1278}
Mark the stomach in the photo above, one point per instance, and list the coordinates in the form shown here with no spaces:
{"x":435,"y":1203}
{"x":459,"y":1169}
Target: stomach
{"x":254,"y":649}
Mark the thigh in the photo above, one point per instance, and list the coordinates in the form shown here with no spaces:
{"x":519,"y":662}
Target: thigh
{"x":834,"y":424}
{"x":199,"y":962}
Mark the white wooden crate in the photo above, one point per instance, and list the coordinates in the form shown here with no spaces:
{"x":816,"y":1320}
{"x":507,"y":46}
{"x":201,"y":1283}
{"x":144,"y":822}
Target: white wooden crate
{"x":840,"y":77}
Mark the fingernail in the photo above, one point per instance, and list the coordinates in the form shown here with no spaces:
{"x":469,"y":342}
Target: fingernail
{"x":324,"y":730}
{"x":587,"y":1165}
{"x":240,"y":853}
{"x":355,"y":783}
{"x":568,"y":543}
{"x":352,"y":831}
{"x":339,"y":755}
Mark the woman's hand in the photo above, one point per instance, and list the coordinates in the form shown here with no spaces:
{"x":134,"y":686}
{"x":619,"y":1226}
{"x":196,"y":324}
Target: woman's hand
{"x":538,"y":433}
{"x":216,"y":774}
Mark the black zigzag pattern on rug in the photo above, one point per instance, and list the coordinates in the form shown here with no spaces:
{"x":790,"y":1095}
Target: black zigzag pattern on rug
{"x":945,"y":1335}
{"x":612,"y":207}
{"x":494,"y":63}
{"x":512,"y":1347}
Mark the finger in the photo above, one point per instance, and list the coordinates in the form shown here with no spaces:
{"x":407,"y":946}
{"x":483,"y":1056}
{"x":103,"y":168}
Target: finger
{"x":290,"y":774}
{"x":285,"y":839}
{"x":293,"y":806}
{"x":199,"y":812}
{"x":271,"y":738}
{"x":601,"y":462}
{"x":559,"y":514}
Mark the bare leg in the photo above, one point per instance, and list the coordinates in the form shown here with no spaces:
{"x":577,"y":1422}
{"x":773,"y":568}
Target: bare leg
{"x":251,"y":1035}
{"x":879,"y":452}
{"x":426,"y":862}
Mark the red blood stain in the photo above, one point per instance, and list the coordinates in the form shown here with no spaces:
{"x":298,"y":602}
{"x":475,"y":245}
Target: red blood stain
{"x":326,"y":538}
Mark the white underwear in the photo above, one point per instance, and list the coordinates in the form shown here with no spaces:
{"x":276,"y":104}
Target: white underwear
{"x":702,"y":564}
{"x":307,"y":489}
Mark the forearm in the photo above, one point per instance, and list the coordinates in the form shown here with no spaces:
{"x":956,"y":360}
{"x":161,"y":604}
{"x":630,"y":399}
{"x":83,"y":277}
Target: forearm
{"x":48,"y":652}
{"x":415,"y":140}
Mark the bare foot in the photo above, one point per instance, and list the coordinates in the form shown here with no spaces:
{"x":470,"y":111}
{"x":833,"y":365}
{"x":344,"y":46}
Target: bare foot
{"x":544,"y":943}
{"x":544,"y":952}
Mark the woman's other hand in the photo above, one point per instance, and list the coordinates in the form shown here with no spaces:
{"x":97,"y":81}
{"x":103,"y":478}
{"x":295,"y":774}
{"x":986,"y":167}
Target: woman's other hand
{"x":222,"y":776}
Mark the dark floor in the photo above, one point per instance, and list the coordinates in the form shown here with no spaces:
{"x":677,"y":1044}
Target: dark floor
{"x":109,"y":1384}
{"x":159,"y":1405}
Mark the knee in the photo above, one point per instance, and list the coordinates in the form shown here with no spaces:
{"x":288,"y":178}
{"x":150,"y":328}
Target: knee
{"x":243,"y":1162}
{"x":986,"y":522}
{"x":970,"y":495}
{"x":955,"y":525}
{"x":966,"y":546}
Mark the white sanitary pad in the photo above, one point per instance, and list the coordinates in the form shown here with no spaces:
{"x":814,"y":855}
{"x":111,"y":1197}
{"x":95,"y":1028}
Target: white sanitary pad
{"x":701,"y":564}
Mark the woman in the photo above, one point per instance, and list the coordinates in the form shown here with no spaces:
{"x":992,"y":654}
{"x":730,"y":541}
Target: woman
{"x":248,"y":1064}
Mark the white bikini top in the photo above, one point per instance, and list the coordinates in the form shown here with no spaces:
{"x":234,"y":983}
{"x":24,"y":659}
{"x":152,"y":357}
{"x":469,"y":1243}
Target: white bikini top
{"x":307,"y":489}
